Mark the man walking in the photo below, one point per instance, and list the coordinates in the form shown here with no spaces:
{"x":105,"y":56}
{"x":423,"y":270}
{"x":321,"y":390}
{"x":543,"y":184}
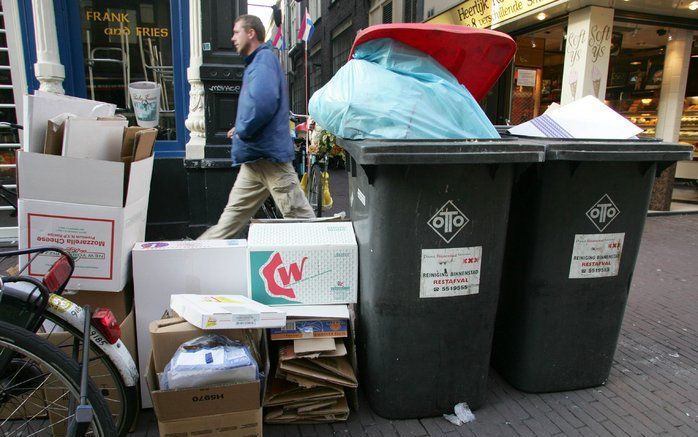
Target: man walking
{"x":262,"y":142}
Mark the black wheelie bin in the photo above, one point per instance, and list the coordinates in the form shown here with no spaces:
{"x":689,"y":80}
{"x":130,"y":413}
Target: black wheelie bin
{"x":574,"y":233}
{"x":430,"y":219}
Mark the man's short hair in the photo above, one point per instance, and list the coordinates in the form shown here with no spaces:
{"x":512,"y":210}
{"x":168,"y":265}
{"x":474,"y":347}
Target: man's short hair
{"x":252,"y":22}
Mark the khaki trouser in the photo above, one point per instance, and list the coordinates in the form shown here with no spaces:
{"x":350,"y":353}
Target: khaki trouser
{"x":254,"y":183}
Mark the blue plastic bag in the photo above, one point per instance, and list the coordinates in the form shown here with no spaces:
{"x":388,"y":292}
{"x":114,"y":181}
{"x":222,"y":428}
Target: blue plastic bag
{"x":392,"y":91}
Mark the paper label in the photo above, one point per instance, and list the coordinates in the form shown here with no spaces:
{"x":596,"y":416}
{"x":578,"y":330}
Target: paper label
{"x":450,"y":272}
{"x":596,"y":255}
{"x":89,"y":241}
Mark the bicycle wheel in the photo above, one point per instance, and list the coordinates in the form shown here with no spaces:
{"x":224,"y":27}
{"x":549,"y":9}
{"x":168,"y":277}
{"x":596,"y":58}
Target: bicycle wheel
{"x":123,"y":401}
{"x":315,"y":189}
{"x":39,"y":387}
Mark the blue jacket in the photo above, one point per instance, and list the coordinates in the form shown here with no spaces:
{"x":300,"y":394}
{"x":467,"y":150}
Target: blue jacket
{"x":261,"y":124}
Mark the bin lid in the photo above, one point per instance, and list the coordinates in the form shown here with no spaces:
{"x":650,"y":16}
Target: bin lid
{"x":476,"y":57}
{"x":436,"y":152}
{"x":616,"y":150}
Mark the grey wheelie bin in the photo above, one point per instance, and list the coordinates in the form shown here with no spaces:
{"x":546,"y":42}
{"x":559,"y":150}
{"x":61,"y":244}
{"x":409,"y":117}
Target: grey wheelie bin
{"x":574,"y":234}
{"x":430,"y":219}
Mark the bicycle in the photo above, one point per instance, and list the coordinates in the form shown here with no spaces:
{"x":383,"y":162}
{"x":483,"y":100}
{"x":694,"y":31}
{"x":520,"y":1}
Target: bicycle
{"x":57,"y":326}
{"x":58,"y":321}
{"x":316,"y":180}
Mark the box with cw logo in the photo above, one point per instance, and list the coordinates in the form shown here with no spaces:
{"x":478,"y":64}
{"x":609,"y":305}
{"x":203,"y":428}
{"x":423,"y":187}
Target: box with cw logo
{"x":303,"y":263}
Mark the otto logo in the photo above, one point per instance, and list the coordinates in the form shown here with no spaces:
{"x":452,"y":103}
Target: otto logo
{"x":448,"y":221}
{"x":603,"y":213}
{"x":154,"y":245}
{"x":279,"y":278}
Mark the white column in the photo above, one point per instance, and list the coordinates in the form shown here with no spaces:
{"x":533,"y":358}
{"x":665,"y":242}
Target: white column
{"x":48,"y":68}
{"x":674,"y":80}
{"x":587,"y":53}
{"x":195,"y":121}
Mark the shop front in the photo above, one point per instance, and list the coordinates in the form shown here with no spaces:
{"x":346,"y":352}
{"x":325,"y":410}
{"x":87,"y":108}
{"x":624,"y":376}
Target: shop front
{"x":97,"y":49}
{"x":639,"y":58}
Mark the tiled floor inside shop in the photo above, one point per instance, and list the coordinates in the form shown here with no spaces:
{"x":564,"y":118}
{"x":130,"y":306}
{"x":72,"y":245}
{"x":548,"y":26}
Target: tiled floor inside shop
{"x":653,"y":387}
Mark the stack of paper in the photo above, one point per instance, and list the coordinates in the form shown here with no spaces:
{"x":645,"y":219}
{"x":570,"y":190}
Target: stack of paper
{"x":586,"y":118}
{"x":313,"y":368}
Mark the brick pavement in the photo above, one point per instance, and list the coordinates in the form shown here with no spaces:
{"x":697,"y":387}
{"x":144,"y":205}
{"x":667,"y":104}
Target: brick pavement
{"x":653,"y":386}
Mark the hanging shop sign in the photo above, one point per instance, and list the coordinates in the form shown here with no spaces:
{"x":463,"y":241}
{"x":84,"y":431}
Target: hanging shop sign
{"x":486,"y":13}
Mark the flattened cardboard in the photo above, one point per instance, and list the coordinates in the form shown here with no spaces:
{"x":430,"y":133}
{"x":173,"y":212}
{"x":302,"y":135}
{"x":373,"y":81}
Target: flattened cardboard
{"x":238,"y":424}
{"x":333,"y":370}
{"x":311,"y":345}
{"x":144,"y":144}
{"x":305,"y":382}
{"x":282,"y":392}
{"x":91,"y":138}
{"x":54,"y":135}
{"x":287,"y":352}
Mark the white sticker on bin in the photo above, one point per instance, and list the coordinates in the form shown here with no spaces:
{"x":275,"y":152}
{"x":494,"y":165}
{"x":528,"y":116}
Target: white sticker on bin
{"x":596,"y":255}
{"x":450,"y":272}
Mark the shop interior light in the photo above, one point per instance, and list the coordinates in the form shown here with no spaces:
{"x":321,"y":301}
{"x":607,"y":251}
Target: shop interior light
{"x":646,"y":101}
{"x":533,"y":43}
{"x":693,"y":6}
{"x":542,"y":16}
{"x":635,"y":63}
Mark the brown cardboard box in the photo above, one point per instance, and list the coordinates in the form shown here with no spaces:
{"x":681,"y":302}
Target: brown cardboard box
{"x":238,"y":424}
{"x":233,"y":410}
{"x":168,"y":334}
{"x":120,"y":303}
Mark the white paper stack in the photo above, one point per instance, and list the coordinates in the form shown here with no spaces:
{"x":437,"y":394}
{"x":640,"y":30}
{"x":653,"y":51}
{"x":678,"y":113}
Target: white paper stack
{"x":586,"y":118}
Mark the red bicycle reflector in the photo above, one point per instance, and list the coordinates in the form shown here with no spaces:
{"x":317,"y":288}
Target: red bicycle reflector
{"x":105,"y":322}
{"x":58,"y":275}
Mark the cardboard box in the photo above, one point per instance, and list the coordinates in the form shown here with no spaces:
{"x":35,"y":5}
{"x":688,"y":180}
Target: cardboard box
{"x":84,"y":181}
{"x":164,"y":268}
{"x":303,"y":263}
{"x":100,"y":238}
{"x":297,"y":329}
{"x":225,"y":312}
{"x":238,"y":424}
{"x":42,"y":106}
{"x":168,"y":334}
{"x":120,"y":303}
{"x":225,"y":410}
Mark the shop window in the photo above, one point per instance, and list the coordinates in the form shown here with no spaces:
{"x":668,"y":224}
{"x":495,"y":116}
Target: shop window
{"x":538,"y":69}
{"x":342,"y":39}
{"x":388,"y":12}
{"x":315,"y":70}
{"x":129,"y":41}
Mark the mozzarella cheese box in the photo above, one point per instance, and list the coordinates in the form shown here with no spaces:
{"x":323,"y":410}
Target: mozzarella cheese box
{"x":225,"y":312}
{"x":303,"y":263}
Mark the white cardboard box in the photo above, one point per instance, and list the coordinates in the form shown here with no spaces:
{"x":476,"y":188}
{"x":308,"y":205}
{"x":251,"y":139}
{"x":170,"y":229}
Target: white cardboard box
{"x":91,"y":138}
{"x":164,"y":268}
{"x":85,"y":181}
{"x":100,"y":238}
{"x":42,"y":106}
{"x":303,"y":263}
{"x":226,"y":312}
